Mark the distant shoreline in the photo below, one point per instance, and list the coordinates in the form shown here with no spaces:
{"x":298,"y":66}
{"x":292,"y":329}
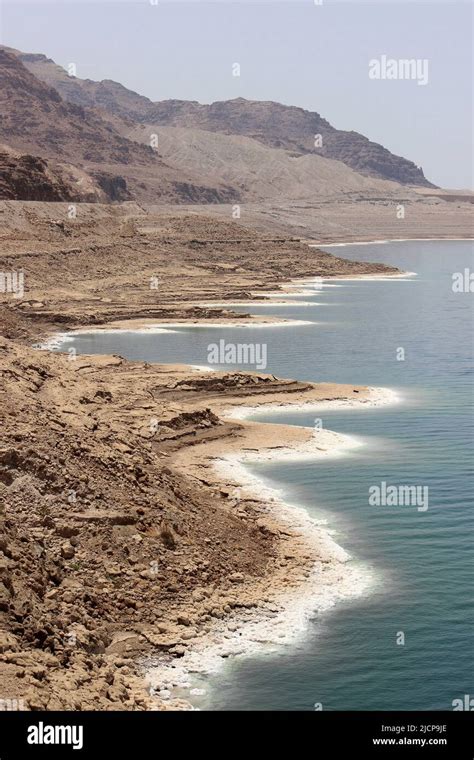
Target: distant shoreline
{"x":386,"y":240}
{"x":315,"y":571}
{"x":292,"y":288}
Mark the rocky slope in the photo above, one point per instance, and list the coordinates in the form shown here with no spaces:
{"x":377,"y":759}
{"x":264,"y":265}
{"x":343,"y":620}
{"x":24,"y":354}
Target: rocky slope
{"x":123,"y":247}
{"x":34,"y":117}
{"x":104,"y":550}
{"x":30,"y":178}
{"x":112,"y":97}
{"x":111,"y":549}
{"x":259,"y":171}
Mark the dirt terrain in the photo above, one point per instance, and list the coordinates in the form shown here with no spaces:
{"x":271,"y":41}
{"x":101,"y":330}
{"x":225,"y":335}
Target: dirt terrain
{"x":355,"y":217}
{"x":118,"y":262}
{"x":108,"y":549}
{"x":121,"y":544}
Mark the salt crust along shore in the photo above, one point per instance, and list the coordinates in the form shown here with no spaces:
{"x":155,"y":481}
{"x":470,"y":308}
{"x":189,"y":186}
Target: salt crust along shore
{"x":293,"y":289}
{"x":320,"y":573}
{"x":284,"y":606}
{"x":304,"y":286}
{"x":58,"y":339}
{"x":378,"y":397}
{"x":385,"y":240}
{"x":257,"y":302}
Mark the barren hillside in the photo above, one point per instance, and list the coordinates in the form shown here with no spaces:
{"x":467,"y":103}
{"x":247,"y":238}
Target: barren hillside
{"x":258,"y":171}
{"x":273,"y":124}
{"x":36,"y":121}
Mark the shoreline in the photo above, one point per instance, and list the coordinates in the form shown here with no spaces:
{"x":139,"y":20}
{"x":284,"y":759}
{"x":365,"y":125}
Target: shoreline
{"x":162,"y":551}
{"x":378,"y":397}
{"x":317,"y":572}
{"x":293,"y":288}
{"x":320,"y":573}
{"x":140,"y":326}
{"x":322,"y":244}
{"x":214,"y":579}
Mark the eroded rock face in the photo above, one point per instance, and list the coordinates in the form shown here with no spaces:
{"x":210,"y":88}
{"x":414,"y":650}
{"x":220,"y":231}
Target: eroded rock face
{"x":29,"y":178}
{"x":34,"y":114}
{"x":290,"y":128}
{"x":114,"y":187}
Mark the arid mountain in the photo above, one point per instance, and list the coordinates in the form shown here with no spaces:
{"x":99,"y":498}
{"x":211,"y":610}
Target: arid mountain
{"x":112,"y":97}
{"x":36,"y":121}
{"x":34,"y":117}
{"x":272,"y":124}
{"x":85,"y":140}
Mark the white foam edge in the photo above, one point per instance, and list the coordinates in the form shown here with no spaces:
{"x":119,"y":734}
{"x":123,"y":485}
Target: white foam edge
{"x":249,"y":325}
{"x":378,"y":397}
{"x":254,"y":302}
{"x":388,"y":240}
{"x":56,"y":340}
{"x":283,"y":621}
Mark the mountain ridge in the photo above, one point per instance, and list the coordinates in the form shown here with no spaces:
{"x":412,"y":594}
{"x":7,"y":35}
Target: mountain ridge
{"x":99,"y":141}
{"x":271,"y":123}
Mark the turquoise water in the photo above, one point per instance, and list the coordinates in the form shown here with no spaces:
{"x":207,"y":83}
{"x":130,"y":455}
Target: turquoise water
{"x":422,"y":562}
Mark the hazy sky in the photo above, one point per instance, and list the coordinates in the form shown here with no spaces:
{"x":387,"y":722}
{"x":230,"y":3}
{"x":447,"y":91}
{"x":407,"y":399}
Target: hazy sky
{"x":298,"y":53}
